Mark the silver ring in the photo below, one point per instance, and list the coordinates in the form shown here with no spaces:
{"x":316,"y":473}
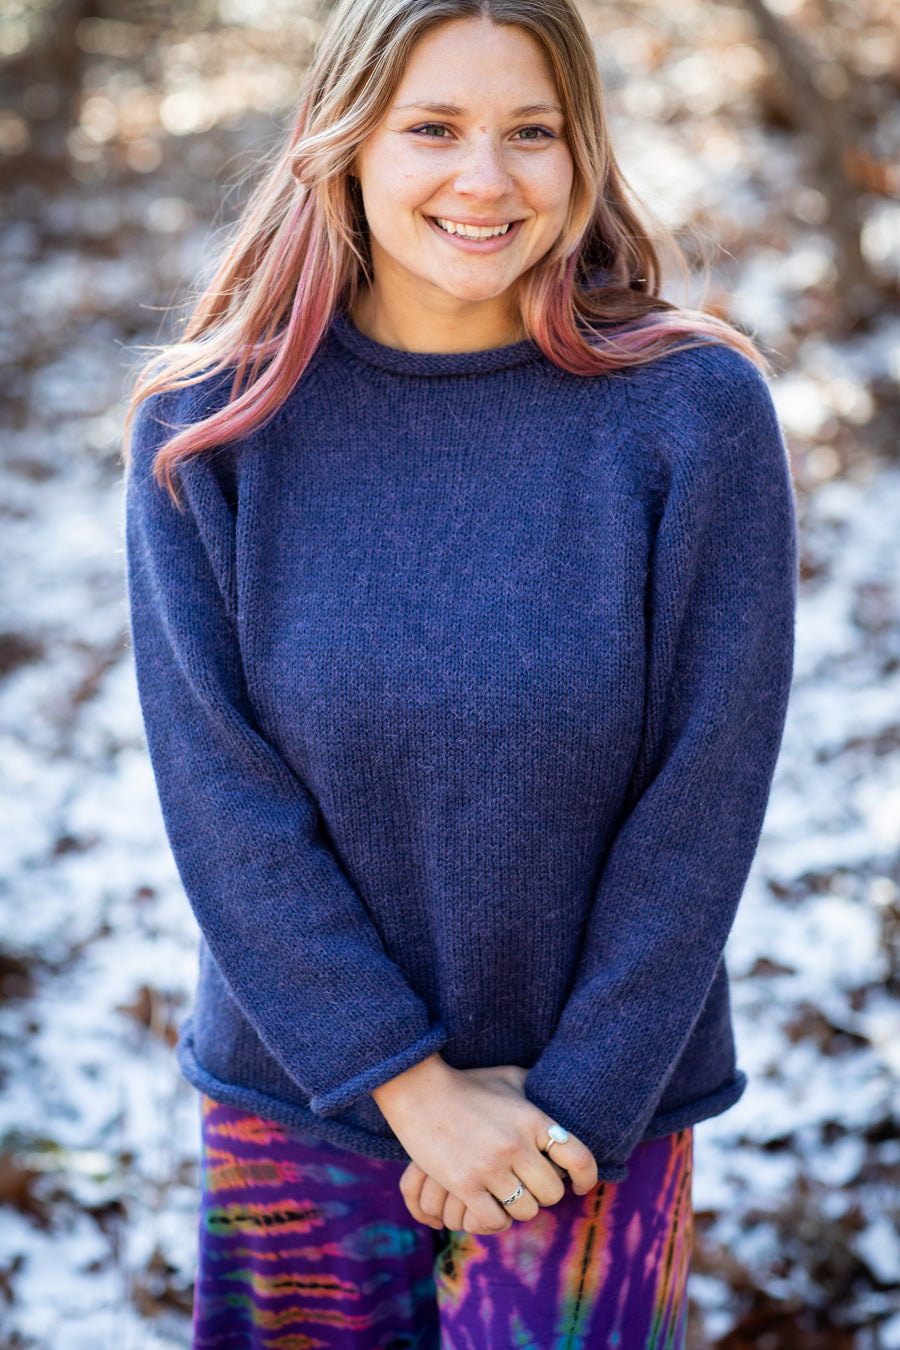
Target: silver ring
{"x":557,"y":1136}
{"x":519,"y":1191}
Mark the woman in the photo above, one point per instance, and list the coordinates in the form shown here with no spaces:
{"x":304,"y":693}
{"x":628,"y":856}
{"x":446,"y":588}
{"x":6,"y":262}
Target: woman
{"x":462,"y":581}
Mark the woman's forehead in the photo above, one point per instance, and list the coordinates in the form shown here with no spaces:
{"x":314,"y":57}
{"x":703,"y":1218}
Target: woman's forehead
{"x":471,"y":60}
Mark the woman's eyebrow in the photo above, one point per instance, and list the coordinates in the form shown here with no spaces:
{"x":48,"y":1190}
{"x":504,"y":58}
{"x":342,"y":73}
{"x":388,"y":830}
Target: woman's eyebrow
{"x":453,"y":110}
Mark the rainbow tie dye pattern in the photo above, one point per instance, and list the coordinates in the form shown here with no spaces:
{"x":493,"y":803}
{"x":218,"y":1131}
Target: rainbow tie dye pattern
{"x":305,"y":1246}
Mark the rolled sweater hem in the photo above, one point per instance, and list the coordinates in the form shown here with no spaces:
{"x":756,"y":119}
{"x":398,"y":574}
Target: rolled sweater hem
{"x":701,"y":1108}
{"x":248,"y":1098}
{"x":370,"y":1145}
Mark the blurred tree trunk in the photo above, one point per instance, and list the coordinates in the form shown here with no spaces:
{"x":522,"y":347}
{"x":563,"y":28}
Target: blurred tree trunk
{"x":54,"y":62}
{"x":825,"y":120}
{"x":55,"y":55}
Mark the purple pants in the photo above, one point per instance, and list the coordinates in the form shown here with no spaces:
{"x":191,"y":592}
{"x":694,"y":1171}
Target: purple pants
{"x":305,"y":1246}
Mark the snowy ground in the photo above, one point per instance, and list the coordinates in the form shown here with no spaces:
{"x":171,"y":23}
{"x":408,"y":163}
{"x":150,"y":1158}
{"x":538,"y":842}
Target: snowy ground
{"x":796,"y":1190}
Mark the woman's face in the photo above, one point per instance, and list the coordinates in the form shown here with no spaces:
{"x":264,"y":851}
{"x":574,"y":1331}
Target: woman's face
{"x":466,"y":182}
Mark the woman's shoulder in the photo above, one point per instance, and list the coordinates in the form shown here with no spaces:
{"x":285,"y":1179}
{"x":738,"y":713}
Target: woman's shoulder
{"x":162,"y":415}
{"x":172,"y":408}
{"x":693,"y":401}
{"x":694,"y":421}
{"x":708,"y":377}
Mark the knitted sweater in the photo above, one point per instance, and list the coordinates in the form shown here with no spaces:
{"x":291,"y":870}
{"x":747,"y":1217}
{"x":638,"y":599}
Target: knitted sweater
{"x":464,"y":680}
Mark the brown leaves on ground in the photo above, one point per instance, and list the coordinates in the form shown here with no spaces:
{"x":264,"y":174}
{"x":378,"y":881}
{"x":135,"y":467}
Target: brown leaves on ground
{"x":154,"y":1009}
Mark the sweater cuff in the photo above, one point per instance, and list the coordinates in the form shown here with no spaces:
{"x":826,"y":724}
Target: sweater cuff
{"x":330,"y":1103}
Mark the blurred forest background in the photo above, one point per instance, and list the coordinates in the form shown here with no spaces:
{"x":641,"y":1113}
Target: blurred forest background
{"x":766,"y":133}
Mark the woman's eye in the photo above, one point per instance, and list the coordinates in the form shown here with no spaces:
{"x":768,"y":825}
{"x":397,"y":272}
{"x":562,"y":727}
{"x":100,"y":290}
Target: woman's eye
{"x":534,"y":134}
{"x":434,"y":130}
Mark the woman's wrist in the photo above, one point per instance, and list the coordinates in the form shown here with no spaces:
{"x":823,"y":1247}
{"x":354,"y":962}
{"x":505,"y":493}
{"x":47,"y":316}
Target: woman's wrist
{"x":423,"y":1080}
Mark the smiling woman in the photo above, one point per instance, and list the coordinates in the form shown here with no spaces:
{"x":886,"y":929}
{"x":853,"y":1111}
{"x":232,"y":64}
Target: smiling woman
{"x":463,"y":190}
{"x":464,"y":661}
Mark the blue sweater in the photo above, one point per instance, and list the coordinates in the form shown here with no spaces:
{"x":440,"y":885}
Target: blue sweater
{"x":464,"y":680}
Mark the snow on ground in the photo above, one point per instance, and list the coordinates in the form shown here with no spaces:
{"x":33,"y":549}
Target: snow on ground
{"x":796,"y":1188}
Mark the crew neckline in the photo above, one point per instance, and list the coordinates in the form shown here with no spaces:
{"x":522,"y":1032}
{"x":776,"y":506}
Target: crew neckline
{"x":400,"y":362}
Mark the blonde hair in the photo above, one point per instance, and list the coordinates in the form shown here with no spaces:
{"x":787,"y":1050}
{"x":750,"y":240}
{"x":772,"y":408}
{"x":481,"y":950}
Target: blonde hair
{"x":300,"y":249}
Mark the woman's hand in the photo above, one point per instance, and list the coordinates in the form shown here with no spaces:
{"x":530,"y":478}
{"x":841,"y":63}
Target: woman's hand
{"x":430,"y":1203}
{"x":473,"y":1137}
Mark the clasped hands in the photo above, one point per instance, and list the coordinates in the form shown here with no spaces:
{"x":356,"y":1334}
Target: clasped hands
{"x":473,"y":1137}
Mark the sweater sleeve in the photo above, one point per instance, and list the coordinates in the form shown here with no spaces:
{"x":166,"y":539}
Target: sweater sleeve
{"x":720,"y":601}
{"x":287,"y":929}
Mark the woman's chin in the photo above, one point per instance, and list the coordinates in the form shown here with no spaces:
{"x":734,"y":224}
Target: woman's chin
{"x":478,"y":291}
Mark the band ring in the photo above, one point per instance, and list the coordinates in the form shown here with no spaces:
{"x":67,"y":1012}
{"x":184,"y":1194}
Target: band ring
{"x":517,"y":1193}
{"x":557,"y":1136}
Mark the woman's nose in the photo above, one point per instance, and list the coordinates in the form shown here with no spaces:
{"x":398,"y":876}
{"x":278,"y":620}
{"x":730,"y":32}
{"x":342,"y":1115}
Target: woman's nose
{"x":484,"y":173}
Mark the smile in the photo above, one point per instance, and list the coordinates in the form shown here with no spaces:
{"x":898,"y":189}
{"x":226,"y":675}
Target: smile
{"x":471,"y":231}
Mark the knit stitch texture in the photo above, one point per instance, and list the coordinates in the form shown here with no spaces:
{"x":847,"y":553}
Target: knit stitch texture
{"x":464,"y":680}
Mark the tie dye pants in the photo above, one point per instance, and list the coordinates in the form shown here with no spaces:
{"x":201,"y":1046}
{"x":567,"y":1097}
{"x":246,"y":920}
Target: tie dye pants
{"x":305,"y":1246}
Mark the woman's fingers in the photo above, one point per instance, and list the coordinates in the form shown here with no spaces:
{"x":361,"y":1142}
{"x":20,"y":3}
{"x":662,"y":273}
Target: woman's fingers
{"x":487,"y":1215}
{"x":472,"y":1224}
{"x":542,"y":1180}
{"x":522,"y":1209}
{"x":454,"y":1214}
{"x":432,"y":1198}
{"x":476,"y":1223}
{"x":576,"y":1161}
{"x":429,"y":1203}
{"x":574,"y":1156}
{"x":411,"y":1184}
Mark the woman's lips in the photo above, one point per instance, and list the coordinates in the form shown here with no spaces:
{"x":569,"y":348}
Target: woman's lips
{"x":492,"y":244}
{"x":472,"y":231}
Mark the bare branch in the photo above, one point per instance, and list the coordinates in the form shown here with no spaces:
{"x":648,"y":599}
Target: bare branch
{"x":825,"y":121}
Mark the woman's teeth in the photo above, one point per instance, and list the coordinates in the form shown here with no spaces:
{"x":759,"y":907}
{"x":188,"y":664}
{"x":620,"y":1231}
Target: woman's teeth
{"x":472,"y":231}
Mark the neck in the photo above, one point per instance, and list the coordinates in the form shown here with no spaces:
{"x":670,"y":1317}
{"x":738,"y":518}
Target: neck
{"x":457,"y":326}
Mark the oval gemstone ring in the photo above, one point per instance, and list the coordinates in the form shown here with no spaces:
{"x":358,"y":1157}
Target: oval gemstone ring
{"x":510,"y":1200}
{"x":557,"y":1136}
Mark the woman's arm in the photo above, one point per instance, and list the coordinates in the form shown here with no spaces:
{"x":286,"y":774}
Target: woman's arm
{"x":285,"y":925}
{"x":721,"y":596}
